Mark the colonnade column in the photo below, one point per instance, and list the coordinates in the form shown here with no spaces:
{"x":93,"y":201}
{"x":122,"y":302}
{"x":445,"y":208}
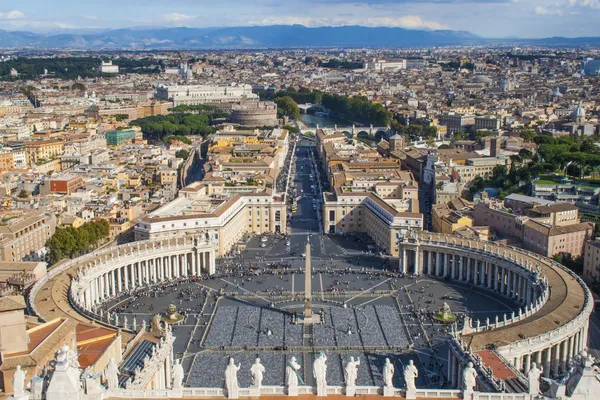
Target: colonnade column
{"x":446,"y":262}
{"x":527,"y":365}
{"x":437,"y":263}
{"x":212,"y":263}
{"x":555,"y":359}
{"x":468,"y":268}
{"x":429,"y":263}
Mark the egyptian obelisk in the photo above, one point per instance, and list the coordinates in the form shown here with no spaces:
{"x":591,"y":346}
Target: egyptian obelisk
{"x":307,"y":286}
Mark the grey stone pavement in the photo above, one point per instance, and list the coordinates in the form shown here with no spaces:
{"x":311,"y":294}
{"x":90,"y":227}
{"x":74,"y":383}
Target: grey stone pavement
{"x":255,"y":313}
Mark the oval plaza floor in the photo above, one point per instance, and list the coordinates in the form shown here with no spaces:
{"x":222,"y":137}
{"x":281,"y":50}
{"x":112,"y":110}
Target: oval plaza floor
{"x":249,"y":313}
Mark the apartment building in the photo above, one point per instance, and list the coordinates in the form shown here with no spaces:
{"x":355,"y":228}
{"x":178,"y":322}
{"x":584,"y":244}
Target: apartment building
{"x":489,"y":123}
{"x":7,"y":160}
{"x":360,"y":211}
{"x":46,"y":149}
{"x":452,"y":215}
{"x":505,"y":223}
{"x":457,"y":122}
{"x":591,"y":261}
{"x":549,"y":240}
{"x":224,"y":218}
{"x":481,"y":166}
{"x":24,"y":235}
{"x":66,"y":184}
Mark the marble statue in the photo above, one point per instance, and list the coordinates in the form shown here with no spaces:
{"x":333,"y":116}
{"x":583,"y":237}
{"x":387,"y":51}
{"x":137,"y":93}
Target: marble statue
{"x":291,"y":373}
{"x":388,"y":374}
{"x":177,"y":375}
{"x":320,"y":373}
{"x":469,"y":378}
{"x":111,"y":374}
{"x":19,"y":382}
{"x":257,"y":371}
{"x":410,"y":374}
{"x":231,"y":380}
{"x":534,"y":379}
{"x":351,"y":372}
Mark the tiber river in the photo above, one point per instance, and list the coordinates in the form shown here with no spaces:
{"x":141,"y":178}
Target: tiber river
{"x":312,"y":120}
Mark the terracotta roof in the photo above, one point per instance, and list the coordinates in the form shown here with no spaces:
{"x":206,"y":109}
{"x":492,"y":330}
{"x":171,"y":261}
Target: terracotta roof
{"x":556,"y":207}
{"x":42,"y":340}
{"x":550,"y":230}
{"x":501,"y":370}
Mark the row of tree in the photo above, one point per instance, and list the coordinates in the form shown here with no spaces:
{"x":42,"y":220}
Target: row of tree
{"x":72,"y":67}
{"x":335,"y":63}
{"x":301,"y":96}
{"x":287,"y":106}
{"x":182,"y":124}
{"x":578,"y":156}
{"x":357,"y":109}
{"x":72,"y":242}
{"x":212,"y":111}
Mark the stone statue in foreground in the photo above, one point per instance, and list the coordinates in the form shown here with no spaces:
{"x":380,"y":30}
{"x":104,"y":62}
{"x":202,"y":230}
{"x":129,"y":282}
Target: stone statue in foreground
{"x":320,"y":373}
{"x":533,"y":376}
{"x":111,"y":374}
{"x":18,"y":381}
{"x":231,"y":380}
{"x":177,"y":375}
{"x":411,"y":373}
{"x":257,"y":371}
{"x":469,"y":378}
{"x":292,"y":376}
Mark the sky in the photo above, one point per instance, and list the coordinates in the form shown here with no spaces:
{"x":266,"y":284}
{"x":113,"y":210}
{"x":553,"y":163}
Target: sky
{"x":486,"y":18}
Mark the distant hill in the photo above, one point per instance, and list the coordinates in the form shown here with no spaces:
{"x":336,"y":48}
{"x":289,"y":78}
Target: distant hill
{"x":276,"y":36}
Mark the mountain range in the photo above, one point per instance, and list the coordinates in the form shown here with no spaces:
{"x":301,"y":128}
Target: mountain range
{"x":275,"y":36}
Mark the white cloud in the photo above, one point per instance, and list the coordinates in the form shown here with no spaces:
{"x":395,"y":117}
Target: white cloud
{"x":585,"y":3}
{"x":540,"y":10}
{"x":177,"y":17}
{"x":408,"y":22}
{"x":14,"y":14}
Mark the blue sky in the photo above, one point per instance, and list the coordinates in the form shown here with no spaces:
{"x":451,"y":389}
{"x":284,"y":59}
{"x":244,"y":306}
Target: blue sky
{"x":488,"y":18}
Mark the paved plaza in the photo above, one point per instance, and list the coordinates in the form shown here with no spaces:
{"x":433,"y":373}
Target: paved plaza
{"x":248,"y":308}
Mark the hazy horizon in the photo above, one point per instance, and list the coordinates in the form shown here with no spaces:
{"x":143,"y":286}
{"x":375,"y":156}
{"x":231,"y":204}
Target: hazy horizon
{"x":485,"y":18}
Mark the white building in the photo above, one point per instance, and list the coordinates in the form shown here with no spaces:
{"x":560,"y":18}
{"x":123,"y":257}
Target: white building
{"x":203,"y":94}
{"x":108,"y":68}
{"x":383,"y":65}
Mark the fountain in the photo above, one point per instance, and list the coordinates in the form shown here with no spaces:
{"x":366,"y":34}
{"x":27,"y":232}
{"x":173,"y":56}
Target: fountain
{"x":172,"y":317}
{"x":445,"y":315}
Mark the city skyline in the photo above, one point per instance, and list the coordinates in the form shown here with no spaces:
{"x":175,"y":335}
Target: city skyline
{"x":487,"y":18}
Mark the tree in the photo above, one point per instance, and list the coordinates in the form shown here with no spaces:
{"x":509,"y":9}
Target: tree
{"x":23,"y":194}
{"x":431,"y":132}
{"x":182,"y":154}
{"x":70,"y":242}
{"x":120,"y":117}
{"x":415,"y":130}
{"x":528,"y":135}
{"x":291,"y":129}
{"x":78,"y":86}
{"x":287,"y":106}
{"x":459,"y":135}
{"x":525,"y":154}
